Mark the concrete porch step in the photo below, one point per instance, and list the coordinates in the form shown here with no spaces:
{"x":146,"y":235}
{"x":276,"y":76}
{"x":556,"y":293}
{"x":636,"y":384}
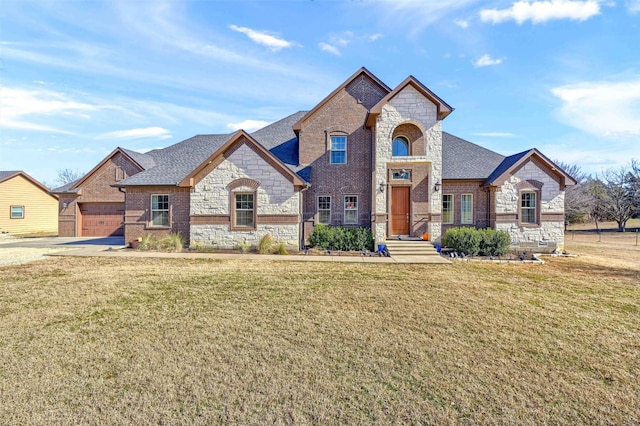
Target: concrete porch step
{"x":411,"y":248}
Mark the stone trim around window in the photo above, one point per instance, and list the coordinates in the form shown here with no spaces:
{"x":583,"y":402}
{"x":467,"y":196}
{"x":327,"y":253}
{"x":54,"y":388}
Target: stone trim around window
{"x":244,"y":206}
{"x":532,"y":195}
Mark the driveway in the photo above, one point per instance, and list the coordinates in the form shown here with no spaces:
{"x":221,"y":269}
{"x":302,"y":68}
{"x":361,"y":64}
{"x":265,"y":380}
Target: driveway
{"x":14,"y":250}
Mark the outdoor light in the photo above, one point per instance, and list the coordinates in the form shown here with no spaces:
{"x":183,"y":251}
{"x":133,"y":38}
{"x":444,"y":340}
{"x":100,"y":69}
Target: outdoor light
{"x":64,"y":205}
{"x":437,"y":186}
{"x":382,"y":185}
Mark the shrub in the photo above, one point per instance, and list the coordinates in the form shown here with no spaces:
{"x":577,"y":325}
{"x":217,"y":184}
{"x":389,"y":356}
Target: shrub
{"x":168,"y":242}
{"x":282,"y":248}
{"x":341,"y":238}
{"x":471,"y":241}
{"x":266,"y":244}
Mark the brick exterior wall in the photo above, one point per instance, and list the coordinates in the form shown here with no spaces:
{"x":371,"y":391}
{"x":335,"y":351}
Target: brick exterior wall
{"x":480,"y":206}
{"x":95,"y":188}
{"x":344,"y":113}
{"x":138,"y":211}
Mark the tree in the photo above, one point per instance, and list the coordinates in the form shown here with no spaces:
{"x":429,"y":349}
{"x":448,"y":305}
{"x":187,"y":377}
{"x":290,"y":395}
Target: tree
{"x":616,"y":194}
{"x":577,"y":198}
{"x":66,"y":176}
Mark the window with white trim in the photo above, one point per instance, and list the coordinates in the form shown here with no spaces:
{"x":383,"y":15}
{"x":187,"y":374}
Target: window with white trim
{"x":466,"y":208}
{"x":244,"y":210}
{"x":351,"y":209}
{"x":17,"y":212}
{"x":447,"y":208}
{"x":324,"y":209}
{"x":338,"y":150}
{"x":160,"y":210}
{"x":528,"y":208}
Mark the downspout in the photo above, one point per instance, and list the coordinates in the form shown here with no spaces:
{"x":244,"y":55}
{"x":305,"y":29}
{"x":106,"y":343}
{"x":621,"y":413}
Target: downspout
{"x":301,"y":210}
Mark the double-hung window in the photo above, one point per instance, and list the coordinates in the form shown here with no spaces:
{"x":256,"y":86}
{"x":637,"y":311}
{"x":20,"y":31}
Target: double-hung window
{"x":17,"y":212}
{"x":160,"y":210}
{"x":338,"y":150}
{"x":447,"y":208}
{"x":528,"y":208}
{"x":324,"y":209}
{"x":466,"y":208}
{"x":244,"y":210}
{"x":351,"y":209}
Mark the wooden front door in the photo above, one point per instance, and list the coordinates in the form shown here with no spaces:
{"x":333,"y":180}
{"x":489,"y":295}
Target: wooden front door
{"x":400,"y":210}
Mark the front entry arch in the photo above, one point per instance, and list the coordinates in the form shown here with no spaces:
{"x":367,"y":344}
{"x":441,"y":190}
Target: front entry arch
{"x":400,"y":202}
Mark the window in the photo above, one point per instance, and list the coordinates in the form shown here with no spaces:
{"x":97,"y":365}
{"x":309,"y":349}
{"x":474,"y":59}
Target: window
{"x":466,"y":208}
{"x":400,"y":147}
{"x":244,"y":210}
{"x":401,"y":174}
{"x":338,"y":150}
{"x":528,"y":208}
{"x":351,"y":209}
{"x":447,"y":208}
{"x":160,"y":210}
{"x":120,"y":174}
{"x":324,"y":209}
{"x":17,"y":212}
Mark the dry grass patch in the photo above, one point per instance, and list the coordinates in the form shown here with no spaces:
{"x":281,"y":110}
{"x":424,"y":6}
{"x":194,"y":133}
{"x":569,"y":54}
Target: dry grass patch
{"x":194,"y":341}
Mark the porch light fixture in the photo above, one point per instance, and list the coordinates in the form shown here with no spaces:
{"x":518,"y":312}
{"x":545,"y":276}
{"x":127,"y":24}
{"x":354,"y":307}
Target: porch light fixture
{"x":64,"y":205}
{"x":382,"y":185}
{"x":437,"y":186}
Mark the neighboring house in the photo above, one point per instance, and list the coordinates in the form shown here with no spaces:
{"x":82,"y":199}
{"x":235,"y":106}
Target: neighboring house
{"x":366,"y":155}
{"x":26,"y":206}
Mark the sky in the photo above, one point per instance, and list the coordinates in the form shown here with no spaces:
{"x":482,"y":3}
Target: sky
{"x":79,"y":78}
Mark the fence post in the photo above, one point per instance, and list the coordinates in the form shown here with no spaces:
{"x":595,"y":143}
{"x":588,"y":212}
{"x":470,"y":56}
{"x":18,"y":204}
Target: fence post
{"x":637,"y":236}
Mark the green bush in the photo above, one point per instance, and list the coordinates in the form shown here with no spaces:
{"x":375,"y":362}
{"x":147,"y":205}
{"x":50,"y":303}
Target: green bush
{"x":471,"y":241}
{"x":341,"y":238}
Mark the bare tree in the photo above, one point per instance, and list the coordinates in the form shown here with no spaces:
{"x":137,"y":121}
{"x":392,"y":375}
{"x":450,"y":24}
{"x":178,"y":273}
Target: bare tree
{"x":66,"y":176}
{"x":577,"y":199}
{"x":615,"y":194}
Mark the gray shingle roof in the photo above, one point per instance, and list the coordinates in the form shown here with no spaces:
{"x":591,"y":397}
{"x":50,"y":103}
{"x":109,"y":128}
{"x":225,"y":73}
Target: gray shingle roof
{"x":462,"y":159}
{"x":144,"y":160}
{"x":65,"y":188}
{"x":174,"y":163}
{"x":6,"y":174}
{"x":280,"y":139}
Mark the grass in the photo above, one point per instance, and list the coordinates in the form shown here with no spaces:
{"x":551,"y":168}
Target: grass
{"x":140,"y":341}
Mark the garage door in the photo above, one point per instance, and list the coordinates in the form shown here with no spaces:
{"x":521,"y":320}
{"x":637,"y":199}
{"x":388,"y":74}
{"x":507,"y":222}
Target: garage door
{"x":102,"y":219}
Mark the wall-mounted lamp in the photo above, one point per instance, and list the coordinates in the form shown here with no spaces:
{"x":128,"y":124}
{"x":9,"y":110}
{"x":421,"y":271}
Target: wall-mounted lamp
{"x":382,"y":185}
{"x":65,"y":205}
{"x":437,"y":186}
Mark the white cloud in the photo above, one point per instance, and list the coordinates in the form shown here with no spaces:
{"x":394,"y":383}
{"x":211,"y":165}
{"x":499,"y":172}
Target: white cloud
{"x":421,"y":13}
{"x":633,"y":6}
{"x":377,"y":36}
{"x":146,"y":132}
{"x":603,"y":108}
{"x":248,"y":125}
{"x":264,"y":38}
{"x":329,"y":48}
{"x":28,"y":109}
{"x":542,"y":11}
{"x":486,"y":60}
{"x":462,"y":23}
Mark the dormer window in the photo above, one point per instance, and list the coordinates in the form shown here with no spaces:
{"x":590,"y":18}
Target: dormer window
{"x":400,"y":147}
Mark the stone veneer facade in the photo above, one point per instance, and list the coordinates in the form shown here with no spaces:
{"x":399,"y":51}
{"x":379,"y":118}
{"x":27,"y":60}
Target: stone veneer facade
{"x":277,"y":203}
{"x":408,"y":106}
{"x":549,"y":233}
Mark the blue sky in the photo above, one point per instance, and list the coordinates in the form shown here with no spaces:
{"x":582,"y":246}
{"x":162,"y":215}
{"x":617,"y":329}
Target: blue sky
{"x":79,"y":78}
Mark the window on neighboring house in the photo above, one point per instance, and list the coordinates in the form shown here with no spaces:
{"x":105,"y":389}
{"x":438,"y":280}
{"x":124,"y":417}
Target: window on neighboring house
{"x":244,"y":210}
{"x":324,"y":209}
{"x":17,"y":212}
{"x":528,"y":208}
{"x":351,"y":209}
{"x":400,"y":147}
{"x":160,"y":210}
{"x":466,"y":208}
{"x":338,"y":149}
{"x":447,"y":208}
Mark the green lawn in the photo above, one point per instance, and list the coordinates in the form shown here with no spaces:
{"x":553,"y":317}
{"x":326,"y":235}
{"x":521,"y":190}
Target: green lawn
{"x":150,"y":341}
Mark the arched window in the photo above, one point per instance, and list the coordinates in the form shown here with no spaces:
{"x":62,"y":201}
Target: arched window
{"x":400,"y":147}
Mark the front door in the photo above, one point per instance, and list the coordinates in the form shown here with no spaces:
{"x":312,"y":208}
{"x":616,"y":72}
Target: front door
{"x":400,"y":210}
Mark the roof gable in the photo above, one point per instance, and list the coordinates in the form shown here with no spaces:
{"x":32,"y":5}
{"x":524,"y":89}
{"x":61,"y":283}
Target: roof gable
{"x":8,"y":175}
{"x":444,"y":109}
{"x":512,"y":163}
{"x":237,"y":139}
{"x":362,"y":71}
